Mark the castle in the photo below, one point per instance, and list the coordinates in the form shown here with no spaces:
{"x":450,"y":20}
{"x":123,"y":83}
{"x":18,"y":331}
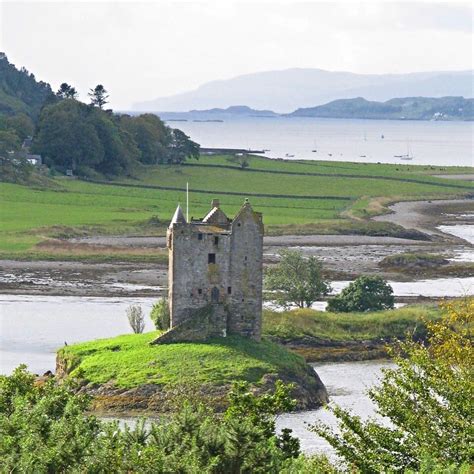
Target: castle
{"x":215,"y":275}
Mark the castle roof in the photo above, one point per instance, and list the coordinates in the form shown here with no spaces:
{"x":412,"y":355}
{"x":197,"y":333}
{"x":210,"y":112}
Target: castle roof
{"x":216,"y":216}
{"x":178,"y":217}
{"x":216,"y":221}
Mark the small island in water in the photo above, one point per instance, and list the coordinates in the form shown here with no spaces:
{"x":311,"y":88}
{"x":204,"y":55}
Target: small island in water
{"x":214,"y":335}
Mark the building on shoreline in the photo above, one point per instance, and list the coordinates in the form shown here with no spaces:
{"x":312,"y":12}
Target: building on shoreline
{"x":215,"y":275}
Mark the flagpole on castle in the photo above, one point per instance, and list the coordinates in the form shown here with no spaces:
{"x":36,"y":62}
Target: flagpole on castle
{"x":187,"y":202}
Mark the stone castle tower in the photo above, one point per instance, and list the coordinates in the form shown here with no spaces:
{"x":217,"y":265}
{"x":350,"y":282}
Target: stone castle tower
{"x":215,"y":275}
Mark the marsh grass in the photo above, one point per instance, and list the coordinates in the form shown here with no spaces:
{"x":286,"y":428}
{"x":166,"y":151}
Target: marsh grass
{"x":326,"y":326}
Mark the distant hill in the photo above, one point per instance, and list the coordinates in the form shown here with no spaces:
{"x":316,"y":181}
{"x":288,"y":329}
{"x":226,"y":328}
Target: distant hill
{"x":20,"y":92}
{"x":414,"y":108}
{"x":217,"y":114}
{"x":236,"y":110}
{"x":287,"y":90}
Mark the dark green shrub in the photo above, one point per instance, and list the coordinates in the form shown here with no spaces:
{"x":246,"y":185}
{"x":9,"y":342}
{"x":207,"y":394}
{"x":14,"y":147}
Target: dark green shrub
{"x":160,"y":314}
{"x":366,"y":293}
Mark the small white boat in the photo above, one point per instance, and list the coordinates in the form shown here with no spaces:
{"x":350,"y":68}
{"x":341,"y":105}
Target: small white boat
{"x":408,"y":156}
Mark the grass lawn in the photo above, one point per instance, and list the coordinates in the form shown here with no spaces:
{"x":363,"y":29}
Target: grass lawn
{"x":130,"y":361}
{"x":318,"y":198}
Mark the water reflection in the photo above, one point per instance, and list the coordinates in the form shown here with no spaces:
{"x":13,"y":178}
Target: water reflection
{"x":33,"y":328}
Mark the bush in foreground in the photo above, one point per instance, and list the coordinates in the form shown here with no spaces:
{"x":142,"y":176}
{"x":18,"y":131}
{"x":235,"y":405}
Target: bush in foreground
{"x":366,"y":293}
{"x":427,"y":398}
{"x":45,"y":428}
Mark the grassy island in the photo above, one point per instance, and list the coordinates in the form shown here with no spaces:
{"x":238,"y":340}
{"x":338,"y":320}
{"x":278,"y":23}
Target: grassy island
{"x":126,"y":373}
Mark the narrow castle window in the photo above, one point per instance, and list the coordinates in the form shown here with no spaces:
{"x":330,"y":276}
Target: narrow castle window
{"x":199,"y":236}
{"x":215,"y":295}
{"x":229,"y":290}
{"x":200,"y":291}
{"x":211,"y":258}
{"x":216,"y":240}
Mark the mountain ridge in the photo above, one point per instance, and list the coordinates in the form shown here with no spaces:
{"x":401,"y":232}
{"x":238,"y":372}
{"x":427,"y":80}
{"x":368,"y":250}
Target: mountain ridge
{"x":287,"y":90}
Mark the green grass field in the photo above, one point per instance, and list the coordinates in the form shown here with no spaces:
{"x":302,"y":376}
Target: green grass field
{"x":289,"y":201}
{"x":130,"y":361}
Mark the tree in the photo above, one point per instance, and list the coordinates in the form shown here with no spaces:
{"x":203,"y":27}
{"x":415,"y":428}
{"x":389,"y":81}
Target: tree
{"x":66,"y":91}
{"x":20,"y":124}
{"x":15,"y":168}
{"x":9,"y":141}
{"x":88,"y":140}
{"x":151,"y":135}
{"x":366,"y":293}
{"x":136,"y":318}
{"x":241,"y":159}
{"x":119,"y":151}
{"x":296,"y":280}
{"x":181,"y":147}
{"x":98,"y":96}
{"x":67,"y":138}
{"x":45,"y":427}
{"x":427,"y":400}
{"x":160,"y":314}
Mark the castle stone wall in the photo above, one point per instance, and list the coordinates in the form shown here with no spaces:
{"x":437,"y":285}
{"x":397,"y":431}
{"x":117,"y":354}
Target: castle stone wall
{"x":215,"y":263}
{"x":245,"y":308}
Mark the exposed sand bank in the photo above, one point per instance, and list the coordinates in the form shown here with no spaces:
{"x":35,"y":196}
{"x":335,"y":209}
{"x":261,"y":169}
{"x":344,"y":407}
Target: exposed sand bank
{"x":425,"y":216}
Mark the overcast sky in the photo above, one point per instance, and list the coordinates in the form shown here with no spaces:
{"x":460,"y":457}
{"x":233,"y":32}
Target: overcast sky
{"x":144,"y":50}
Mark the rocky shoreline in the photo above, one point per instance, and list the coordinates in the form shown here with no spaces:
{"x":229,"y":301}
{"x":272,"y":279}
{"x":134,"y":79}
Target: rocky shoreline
{"x":151,"y":399}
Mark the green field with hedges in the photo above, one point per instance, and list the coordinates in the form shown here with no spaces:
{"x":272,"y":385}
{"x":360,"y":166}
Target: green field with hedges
{"x":290,"y":195}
